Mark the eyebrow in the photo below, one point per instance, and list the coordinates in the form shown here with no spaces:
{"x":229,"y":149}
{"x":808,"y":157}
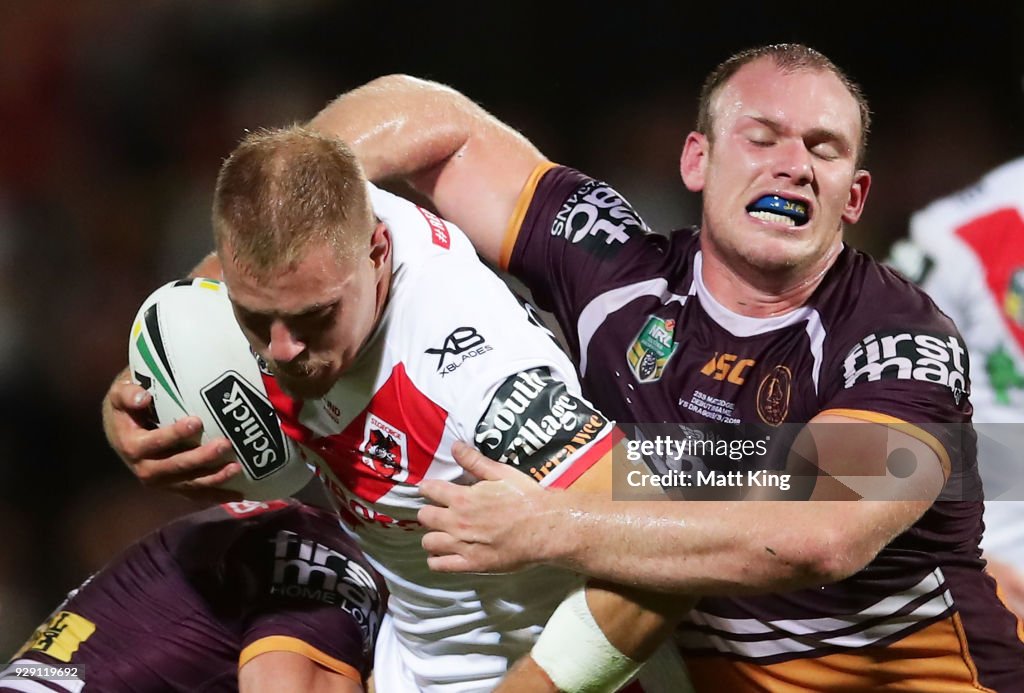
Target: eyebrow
{"x":300,"y":313}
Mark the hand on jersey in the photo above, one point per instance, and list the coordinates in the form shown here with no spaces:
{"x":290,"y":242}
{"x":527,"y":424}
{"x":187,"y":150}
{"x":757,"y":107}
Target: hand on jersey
{"x":498,"y":524}
{"x":169,"y":456}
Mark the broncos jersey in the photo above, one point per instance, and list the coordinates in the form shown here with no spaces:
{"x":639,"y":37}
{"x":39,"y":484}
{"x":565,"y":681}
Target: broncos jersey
{"x":185,"y":607}
{"x":653,"y":346}
{"x":455,"y":356}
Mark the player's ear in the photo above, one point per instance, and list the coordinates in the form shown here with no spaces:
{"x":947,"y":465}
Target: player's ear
{"x":858,"y":196}
{"x":380,"y":245}
{"x":694,"y":160}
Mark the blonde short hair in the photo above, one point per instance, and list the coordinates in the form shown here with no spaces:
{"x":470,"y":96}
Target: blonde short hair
{"x":284,"y":190}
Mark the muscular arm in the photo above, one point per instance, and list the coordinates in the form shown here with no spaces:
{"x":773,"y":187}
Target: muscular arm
{"x":634,"y":621}
{"x":696,"y":548}
{"x":289,"y":671}
{"x":467,"y":162}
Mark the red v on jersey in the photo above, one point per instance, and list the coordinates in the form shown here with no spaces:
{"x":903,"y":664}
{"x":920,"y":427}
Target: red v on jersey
{"x":998,"y":241}
{"x":392,"y":441}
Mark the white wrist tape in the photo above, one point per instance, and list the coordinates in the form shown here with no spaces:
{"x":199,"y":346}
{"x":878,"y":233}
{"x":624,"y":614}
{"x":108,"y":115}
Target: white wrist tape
{"x":576,"y":655}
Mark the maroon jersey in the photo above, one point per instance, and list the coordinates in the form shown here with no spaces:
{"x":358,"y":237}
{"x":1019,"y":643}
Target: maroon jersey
{"x":654,"y":346}
{"x":184,"y":608}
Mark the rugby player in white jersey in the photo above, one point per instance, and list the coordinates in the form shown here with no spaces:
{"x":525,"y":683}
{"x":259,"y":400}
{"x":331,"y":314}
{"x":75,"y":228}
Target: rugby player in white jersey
{"x":386,"y":341}
{"x":967,"y":251}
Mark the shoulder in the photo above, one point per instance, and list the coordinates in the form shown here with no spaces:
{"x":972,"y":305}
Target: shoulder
{"x":881,"y":326}
{"x":860,"y":292}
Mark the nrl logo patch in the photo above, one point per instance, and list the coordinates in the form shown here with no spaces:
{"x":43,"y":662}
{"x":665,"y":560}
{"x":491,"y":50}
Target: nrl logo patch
{"x":652,"y":348}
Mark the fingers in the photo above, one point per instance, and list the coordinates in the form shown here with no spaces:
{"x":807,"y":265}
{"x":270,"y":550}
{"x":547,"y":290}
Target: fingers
{"x":474,"y":462}
{"x":446,"y":554}
{"x":172,"y":439}
{"x":450,"y":564}
{"x":439,"y":492}
{"x":207,"y":462}
{"x":128,"y":396}
{"x":433,"y":517}
{"x":441,"y":544}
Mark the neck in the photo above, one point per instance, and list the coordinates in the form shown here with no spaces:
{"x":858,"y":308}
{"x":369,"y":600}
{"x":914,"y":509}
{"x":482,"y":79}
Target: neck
{"x":752,"y":292}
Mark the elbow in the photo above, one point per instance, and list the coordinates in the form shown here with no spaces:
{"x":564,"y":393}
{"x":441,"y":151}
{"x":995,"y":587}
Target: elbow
{"x":832,"y":555}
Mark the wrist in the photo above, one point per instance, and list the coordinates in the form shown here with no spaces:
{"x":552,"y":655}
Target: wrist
{"x":559,"y":528}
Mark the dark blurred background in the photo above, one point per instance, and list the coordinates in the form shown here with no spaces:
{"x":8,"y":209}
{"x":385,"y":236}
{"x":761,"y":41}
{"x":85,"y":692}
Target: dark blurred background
{"x":114,"y":118}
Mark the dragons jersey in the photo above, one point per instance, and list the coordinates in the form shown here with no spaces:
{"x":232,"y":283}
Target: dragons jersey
{"x":654,"y":346}
{"x":455,"y":356}
{"x":185,"y":607}
{"x":967,"y":252}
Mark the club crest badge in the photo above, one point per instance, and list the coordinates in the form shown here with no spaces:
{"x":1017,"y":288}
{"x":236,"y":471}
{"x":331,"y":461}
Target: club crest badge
{"x":384,"y":449}
{"x":773,"y":395}
{"x":652,"y":348}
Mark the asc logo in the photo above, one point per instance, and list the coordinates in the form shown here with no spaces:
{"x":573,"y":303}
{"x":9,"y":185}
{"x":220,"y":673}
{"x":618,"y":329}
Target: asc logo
{"x":248,"y":420}
{"x":597,"y":217}
{"x":939,"y":359}
{"x":384,"y":449}
{"x":461,"y":345}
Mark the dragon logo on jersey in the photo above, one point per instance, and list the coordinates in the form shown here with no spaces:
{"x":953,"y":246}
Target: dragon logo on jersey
{"x":652,"y":348}
{"x":384,"y":449}
{"x":773,"y":395}
{"x":1014,"y":301}
{"x":929,"y":358}
{"x":597,"y":218}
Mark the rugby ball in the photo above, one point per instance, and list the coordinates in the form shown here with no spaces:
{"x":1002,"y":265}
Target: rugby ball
{"x":187,"y":350}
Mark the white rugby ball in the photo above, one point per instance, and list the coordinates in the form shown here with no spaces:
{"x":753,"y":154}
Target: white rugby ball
{"x":187,"y":350}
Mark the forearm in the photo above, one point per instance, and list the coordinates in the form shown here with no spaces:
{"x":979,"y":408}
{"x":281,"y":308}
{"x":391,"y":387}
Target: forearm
{"x":400,"y":126}
{"x":597,"y":640}
{"x":469,"y":164}
{"x":719,"y":548}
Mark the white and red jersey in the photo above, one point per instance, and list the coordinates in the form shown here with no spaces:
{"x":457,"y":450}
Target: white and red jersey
{"x":967,"y":251}
{"x":455,"y":356}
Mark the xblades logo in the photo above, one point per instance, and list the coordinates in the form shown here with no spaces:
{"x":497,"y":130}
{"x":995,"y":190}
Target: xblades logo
{"x":249,"y":422}
{"x":462,"y":344}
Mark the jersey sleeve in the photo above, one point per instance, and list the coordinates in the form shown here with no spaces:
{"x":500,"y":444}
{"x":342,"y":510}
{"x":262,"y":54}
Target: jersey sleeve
{"x":506,"y":383}
{"x":311,"y":592}
{"x":573,"y":238}
{"x":909,"y":370}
